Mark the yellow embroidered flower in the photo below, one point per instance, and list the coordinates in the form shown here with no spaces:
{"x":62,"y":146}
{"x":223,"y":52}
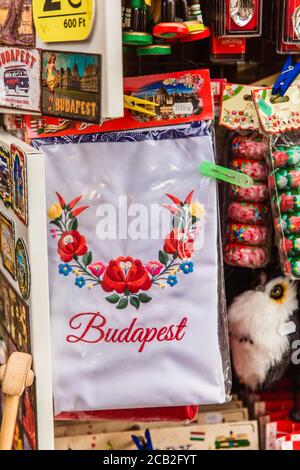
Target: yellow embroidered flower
{"x":54,"y":211}
{"x":197,"y":210}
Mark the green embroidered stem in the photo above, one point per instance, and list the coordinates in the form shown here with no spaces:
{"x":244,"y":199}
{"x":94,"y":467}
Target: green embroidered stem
{"x":86,"y":272}
{"x":166,"y":270}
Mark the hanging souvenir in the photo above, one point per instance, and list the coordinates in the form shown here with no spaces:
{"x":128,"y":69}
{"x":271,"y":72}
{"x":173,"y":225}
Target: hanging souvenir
{"x":237,"y":17}
{"x":288,"y":33}
{"x":280,"y":119}
{"x":248,"y":233}
{"x":124,"y":264}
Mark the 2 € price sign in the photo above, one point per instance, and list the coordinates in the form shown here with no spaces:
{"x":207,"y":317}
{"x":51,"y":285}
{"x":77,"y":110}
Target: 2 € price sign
{"x":63,"y":20}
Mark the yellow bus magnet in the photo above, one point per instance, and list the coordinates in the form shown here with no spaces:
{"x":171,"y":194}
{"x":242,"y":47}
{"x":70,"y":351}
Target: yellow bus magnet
{"x":63,"y":20}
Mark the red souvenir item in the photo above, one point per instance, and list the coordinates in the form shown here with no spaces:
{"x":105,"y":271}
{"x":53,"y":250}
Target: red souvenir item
{"x":258,"y":171}
{"x":292,"y":21}
{"x":259,"y":192}
{"x":246,"y":256}
{"x":180,"y":413}
{"x":178,"y":98}
{"x":227,"y":49}
{"x":248,"y":213}
{"x":192,"y":36}
{"x":170,"y":30}
{"x":243,"y":17}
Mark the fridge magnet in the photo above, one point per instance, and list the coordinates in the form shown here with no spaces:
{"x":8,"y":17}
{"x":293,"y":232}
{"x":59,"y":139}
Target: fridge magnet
{"x":19,"y":180}
{"x":22,"y":268}
{"x":71,"y":85}
{"x":296,"y":22}
{"x":241,"y":11}
{"x":63,"y":21}
{"x":16,"y":23}
{"x":20,"y":71}
{"x":5,"y":177}
{"x":7,"y":244}
{"x":19,"y":322}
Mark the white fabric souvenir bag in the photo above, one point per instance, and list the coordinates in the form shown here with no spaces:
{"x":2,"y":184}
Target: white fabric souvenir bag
{"x":135,"y":284}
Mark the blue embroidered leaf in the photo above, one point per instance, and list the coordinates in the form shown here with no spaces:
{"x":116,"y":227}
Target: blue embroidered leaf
{"x":73,"y":225}
{"x":163,"y":257}
{"x":87,"y":259}
{"x":113,"y":299}
{"x":144,"y":298}
{"x":122,"y":304}
{"x":135,"y":302}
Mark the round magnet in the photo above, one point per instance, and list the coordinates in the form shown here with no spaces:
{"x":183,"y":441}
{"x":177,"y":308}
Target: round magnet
{"x":133,"y":38}
{"x":170,"y":30}
{"x":154,"y":50}
{"x":195,"y":36}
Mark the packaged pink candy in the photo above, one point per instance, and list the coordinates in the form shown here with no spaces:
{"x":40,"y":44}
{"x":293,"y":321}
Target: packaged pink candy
{"x":248,"y":211}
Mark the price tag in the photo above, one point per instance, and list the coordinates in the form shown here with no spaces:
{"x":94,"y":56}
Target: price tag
{"x":63,"y":20}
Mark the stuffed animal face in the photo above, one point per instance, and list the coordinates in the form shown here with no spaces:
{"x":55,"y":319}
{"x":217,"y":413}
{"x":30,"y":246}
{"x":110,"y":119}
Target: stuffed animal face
{"x":256,"y":318}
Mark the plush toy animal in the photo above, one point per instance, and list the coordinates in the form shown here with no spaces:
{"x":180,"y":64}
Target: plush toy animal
{"x":263,"y":323}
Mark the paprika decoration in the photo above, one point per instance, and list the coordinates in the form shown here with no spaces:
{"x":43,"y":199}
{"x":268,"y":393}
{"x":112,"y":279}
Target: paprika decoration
{"x":126,"y":279}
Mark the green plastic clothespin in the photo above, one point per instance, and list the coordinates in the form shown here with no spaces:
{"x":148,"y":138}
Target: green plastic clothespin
{"x":224,"y":174}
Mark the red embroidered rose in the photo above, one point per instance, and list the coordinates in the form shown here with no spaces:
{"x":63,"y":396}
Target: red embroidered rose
{"x":126,"y":273}
{"x":180,"y":242}
{"x":71,"y":244}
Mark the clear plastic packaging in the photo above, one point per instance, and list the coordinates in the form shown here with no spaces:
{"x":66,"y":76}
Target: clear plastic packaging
{"x":284,"y":185}
{"x":247,"y":234}
{"x":149,"y":283}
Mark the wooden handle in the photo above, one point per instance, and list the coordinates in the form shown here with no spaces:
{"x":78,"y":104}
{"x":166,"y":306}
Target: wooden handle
{"x":15,"y":376}
{"x":9,"y":419}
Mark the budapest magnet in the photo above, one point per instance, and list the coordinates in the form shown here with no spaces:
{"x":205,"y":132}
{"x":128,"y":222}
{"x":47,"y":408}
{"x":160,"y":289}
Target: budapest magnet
{"x":22,"y":268}
{"x":20,"y":71}
{"x":64,"y":20}
{"x":71,"y":85}
{"x":7,"y":244}
{"x":16,"y":23}
{"x":19,"y":180}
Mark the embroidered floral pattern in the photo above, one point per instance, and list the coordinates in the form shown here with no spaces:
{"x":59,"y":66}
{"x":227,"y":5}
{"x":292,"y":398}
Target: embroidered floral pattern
{"x":126,"y":279}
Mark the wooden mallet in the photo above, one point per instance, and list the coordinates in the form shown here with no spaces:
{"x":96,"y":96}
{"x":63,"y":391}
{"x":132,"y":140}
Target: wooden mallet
{"x":15,"y":376}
